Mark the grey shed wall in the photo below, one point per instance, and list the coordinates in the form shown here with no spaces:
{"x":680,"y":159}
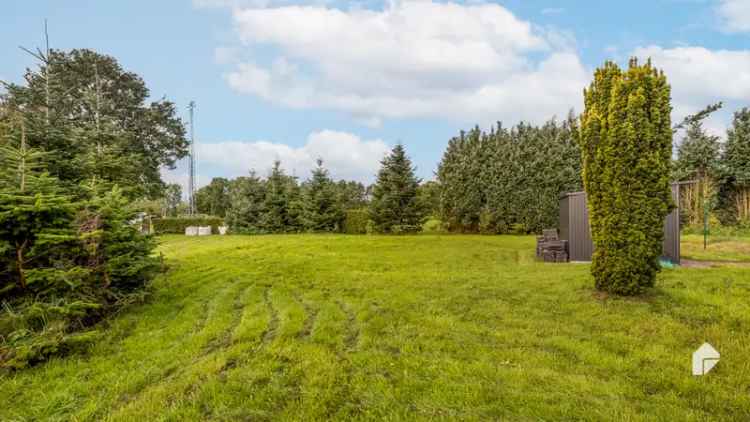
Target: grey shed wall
{"x":574,"y":227}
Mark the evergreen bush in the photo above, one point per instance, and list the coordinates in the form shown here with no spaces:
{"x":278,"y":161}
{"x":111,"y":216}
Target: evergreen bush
{"x":626,"y":139}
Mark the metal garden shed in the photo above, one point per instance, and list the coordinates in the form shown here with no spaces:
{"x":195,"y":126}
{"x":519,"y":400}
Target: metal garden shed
{"x":574,"y":227}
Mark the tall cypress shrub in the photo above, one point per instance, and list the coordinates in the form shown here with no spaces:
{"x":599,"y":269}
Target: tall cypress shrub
{"x":626,"y":142}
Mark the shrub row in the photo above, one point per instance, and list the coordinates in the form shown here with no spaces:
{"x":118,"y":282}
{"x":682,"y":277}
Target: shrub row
{"x":177,"y":225}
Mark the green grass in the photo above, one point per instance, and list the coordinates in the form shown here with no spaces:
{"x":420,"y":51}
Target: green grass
{"x":718,"y":248}
{"x":389,"y":328}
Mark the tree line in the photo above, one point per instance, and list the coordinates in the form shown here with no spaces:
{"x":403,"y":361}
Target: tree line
{"x":280,"y":203}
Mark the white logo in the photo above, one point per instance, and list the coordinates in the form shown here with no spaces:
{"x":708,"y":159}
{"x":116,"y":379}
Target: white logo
{"x":704,"y":359}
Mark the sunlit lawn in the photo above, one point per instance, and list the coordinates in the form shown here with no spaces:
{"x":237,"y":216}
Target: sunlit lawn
{"x":717,"y":248}
{"x":310,"y":327}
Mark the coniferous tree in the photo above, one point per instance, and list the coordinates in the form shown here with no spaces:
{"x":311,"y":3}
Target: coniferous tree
{"x":281,"y":206}
{"x":395,"y":207}
{"x":699,"y":161}
{"x":737,"y":161}
{"x":97,"y":121}
{"x":247,"y":196}
{"x":351,"y":194}
{"x":36,"y":223}
{"x":321,"y":211}
{"x":509,"y":180}
{"x":626,"y":139}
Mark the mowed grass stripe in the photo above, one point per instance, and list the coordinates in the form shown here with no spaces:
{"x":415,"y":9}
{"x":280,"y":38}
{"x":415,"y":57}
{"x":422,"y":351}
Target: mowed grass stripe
{"x":405,"y":328}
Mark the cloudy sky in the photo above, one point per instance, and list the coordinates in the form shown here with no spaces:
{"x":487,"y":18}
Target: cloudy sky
{"x":296,"y":80}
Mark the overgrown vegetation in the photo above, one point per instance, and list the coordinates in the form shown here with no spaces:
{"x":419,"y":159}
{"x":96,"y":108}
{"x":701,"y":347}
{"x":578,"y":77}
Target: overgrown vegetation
{"x":337,"y":327}
{"x":77,"y":144}
{"x":626,"y":140}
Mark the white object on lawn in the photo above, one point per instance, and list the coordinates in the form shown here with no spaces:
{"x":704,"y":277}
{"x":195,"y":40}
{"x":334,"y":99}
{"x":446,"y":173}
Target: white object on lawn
{"x":191,"y":231}
{"x":223,"y":229}
{"x":204,"y":230}
{"x":704,"y":359}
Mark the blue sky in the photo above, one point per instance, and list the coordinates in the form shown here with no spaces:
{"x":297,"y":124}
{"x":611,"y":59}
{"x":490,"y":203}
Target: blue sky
{"x":346,"y":80}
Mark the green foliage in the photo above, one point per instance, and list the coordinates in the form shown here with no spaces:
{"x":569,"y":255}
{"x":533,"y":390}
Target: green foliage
{"x":213,"y":199}
{"x":736,"y":187}
{"x":321,"y":208}
{"x":699,"y":161}
{"x":246,"y":196}
{"x":177,"y":225}
{"x":508,"y":180}
{"x":282,"y":206}
{"x":395,"y":207}
{"x":626,"y":139}
{"x":97,"y":123}
{"x":64,"y":264}
{"x":351,"y":194}
{"x":171,"y":200}
{"x":355,"y":221}
{"x":428,"y":193}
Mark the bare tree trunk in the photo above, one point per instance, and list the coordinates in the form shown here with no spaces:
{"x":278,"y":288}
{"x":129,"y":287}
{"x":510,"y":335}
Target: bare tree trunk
{"x":20,"y":262}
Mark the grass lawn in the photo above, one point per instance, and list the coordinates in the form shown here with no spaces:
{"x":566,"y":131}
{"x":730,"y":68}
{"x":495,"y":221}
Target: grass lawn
{"x":718,"y":248}
{"x":309,"y":327}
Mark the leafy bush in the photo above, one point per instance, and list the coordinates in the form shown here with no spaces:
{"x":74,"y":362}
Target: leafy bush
{"x":177,"y":225}
{"x":355,"y":221}
{"x":433,"y":225}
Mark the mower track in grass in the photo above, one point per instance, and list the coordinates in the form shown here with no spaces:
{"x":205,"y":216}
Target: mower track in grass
{"x":321,"y":327}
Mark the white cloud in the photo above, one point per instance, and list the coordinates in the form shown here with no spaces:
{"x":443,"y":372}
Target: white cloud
{"x":735,"y":15}
{"x":700,"y":76}
{"x":468,"y":62}
{"x":345,"y":155}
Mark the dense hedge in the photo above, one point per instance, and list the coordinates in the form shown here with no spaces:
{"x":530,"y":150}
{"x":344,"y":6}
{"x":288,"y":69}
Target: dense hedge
{"x":355,"y":221}
{"x":177,"y":225}
{"x":508,"y":180}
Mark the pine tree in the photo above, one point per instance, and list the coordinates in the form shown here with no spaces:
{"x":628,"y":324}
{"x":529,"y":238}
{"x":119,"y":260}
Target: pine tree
{"x":321,"y":209}
{"x":737,"y":160}
{"x":626,"y":138}
{"x":395,"y":207}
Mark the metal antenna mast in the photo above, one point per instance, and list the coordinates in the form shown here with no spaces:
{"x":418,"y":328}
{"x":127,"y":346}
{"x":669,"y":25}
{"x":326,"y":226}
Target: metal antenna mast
{"x":191,"y":181}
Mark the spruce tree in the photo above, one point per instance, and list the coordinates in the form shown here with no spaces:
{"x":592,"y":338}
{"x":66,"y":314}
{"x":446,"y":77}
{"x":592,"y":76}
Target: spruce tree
{"x":321,"y":209}
{"x":246,"y":200}
{"x":395,"y":207}
{"x":737,"y":160}
{"x":36,"y":223}
{"x":281,"y":205}
{"x":626,"y":139}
